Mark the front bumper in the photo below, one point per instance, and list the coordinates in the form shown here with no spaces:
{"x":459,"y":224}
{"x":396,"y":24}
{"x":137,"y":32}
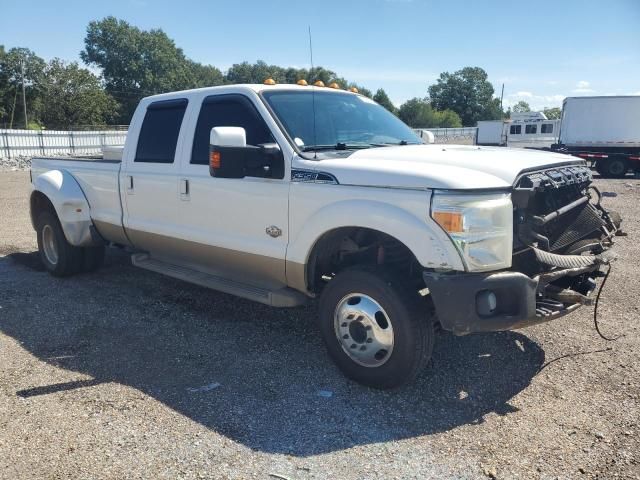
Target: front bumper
{"x":487,"y":302}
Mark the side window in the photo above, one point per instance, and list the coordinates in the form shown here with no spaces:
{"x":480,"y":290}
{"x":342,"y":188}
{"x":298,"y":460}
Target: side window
{"x":530,"y":129}
{"x":515,"y":129}
{"x":159,"y":133}
{"x":227,"y":111}
{"x":546,"y":128}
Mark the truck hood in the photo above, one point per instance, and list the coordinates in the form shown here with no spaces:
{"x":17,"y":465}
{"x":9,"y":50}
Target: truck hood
{"x":437,"y":166}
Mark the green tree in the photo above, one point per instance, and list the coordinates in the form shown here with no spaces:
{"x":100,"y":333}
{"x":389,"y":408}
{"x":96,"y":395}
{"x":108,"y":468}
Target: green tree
{"x":13,"y":63}
{"x":521,"y":107}
{"x":136,"y":63}
{"x":418,"y":113}
{"x":552,"y":113}
{"x":447,"y":119}
{"x":467,"y":92}
{"x":74,"y":96}
{"x":383,"y":99}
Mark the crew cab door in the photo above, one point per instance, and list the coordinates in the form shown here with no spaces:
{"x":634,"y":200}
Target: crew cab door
{"x":237,"y":228}
{"x":149,"y":172}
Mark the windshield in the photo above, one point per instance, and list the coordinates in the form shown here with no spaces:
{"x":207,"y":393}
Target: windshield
{"x":342,"y":120}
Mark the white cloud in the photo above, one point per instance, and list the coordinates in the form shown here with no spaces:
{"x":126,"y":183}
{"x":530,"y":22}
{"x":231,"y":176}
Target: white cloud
{"x":536,"y":102}
{"x":583,"y":87}
{"x":522,"y":94}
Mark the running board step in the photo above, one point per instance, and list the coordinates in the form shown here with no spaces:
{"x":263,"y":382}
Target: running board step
{"x":284,"y":297}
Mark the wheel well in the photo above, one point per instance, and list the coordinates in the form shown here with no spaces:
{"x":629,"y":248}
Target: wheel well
{"x":39,"y":203}
{"x":349,"y":246}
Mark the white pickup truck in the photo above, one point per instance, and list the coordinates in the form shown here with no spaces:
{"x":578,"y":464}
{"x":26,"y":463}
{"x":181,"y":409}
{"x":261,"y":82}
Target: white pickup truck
{"x":281,"y":193}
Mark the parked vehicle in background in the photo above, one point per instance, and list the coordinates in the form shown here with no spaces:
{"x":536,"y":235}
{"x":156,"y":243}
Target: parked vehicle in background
{"x":238,"y":188}
{"x":605,"y":131}
{"x":523,"y":130}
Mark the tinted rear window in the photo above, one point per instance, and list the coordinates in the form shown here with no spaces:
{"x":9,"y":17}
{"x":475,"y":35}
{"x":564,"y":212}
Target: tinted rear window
{"x":160,"y":130}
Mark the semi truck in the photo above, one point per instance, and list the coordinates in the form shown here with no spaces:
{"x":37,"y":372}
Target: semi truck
{"x":604,"y":130}
{"x":283,"y":194}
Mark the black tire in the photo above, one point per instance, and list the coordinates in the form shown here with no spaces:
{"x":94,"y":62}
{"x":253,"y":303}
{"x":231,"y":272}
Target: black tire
{"x":92,"y":258}
{"x":613,"y":167}
{"x":407,"y":312}
{"x":68,"y":259}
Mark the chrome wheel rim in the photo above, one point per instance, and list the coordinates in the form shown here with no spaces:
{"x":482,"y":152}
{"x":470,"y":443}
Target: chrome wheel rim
{"x":49,"y":245}
{"x":364,"y":330}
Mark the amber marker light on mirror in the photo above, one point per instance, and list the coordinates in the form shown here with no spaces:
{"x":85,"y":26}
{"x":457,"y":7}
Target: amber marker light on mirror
{"x":214,"y":159}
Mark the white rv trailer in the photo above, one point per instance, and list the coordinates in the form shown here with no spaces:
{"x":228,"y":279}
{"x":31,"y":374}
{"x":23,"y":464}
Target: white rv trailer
{"x":524,"y":130}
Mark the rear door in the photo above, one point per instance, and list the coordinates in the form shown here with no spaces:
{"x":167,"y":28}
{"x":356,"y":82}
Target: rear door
{"x":148,"y":180}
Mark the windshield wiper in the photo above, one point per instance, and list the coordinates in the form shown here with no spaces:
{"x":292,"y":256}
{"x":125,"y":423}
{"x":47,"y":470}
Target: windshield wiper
{"x":401,"y":142}
{"x":337,"y":146}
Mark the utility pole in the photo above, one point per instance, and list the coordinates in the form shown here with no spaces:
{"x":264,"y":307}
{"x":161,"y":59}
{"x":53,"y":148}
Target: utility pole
{"x":501,"y":95}
{"x":24,"y":98}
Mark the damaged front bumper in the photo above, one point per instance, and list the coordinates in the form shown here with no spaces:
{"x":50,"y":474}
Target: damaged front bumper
{"x":506,"y":300}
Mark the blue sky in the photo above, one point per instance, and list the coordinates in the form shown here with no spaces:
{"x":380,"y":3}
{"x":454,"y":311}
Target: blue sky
{"x":542,"y":51}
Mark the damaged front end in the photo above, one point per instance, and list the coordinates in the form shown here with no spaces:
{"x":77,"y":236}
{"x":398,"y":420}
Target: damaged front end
{"x":562,"y":240}
{"x":562,"y":236}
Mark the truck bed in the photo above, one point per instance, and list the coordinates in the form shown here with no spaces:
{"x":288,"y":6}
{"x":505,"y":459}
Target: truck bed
{"x":98,"y":178}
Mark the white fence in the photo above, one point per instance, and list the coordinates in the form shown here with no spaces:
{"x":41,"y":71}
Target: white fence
{"x":449,"y":135}
{"x":57,"y":142}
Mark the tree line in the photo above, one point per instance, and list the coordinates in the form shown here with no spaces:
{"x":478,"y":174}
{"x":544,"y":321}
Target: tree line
{"x":134,"y":63}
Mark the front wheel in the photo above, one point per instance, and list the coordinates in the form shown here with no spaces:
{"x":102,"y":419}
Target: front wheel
{"x":377,"y":330}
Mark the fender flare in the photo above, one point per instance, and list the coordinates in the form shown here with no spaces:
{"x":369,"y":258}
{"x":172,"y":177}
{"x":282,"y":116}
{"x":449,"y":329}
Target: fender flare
{"x":430,"y":245}
{"x":70,"y":204}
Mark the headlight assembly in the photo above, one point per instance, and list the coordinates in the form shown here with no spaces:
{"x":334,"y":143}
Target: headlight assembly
{"x":479,"y":224}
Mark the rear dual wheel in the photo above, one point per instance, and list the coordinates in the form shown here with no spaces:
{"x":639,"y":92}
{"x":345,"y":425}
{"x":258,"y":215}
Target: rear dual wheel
{"x":613,"y":167}
{"x":59,"y":257}
{"x":376,"y":329}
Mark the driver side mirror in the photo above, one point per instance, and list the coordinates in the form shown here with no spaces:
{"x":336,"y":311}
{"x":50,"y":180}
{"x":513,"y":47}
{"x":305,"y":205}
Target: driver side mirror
{"x":231,"y":157}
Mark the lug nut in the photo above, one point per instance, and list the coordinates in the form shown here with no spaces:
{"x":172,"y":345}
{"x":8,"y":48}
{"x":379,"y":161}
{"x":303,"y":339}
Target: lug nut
{"x":345,"y":336}
{"x":353,"y":345}
{"x":344,"y":324}
{"x":369,"y":340}
{"x":363,"y":348}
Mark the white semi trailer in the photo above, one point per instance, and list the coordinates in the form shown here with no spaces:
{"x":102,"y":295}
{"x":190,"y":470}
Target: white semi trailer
{"x":604,"y":131}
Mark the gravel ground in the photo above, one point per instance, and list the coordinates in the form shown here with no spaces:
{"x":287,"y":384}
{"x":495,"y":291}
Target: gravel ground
{"x":127,"y":374}
{"x":15,"y":163}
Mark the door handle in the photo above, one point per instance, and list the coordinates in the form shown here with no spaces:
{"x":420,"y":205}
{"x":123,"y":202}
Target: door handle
{"x":184,"y":189}
{"x":129,"y":184}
